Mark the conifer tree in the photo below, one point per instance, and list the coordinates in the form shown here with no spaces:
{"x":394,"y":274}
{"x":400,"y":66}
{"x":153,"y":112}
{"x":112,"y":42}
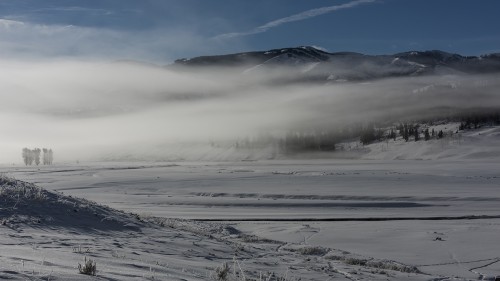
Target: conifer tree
{"x":427,"y":136}
{"x":440,"y":134}
{"x":406,"y":133}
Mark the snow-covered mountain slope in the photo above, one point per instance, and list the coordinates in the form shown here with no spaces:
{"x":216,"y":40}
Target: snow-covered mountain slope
{"x":483,"y":143}
{"x":348,"y":66}
{"x":305,"y":54}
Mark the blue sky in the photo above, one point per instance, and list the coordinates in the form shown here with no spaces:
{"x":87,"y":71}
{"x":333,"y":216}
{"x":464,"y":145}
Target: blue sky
{"x":163,"y":30}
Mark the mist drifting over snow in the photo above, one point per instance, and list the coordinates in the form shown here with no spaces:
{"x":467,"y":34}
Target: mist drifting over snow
{"x":87,"y":110}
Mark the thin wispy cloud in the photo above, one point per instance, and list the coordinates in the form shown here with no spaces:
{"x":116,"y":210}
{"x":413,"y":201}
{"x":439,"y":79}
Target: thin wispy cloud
{"x":297,"y":17}
{"x":6,"y":24}
{"x":76,"y":9}
{"x":24,"y":40}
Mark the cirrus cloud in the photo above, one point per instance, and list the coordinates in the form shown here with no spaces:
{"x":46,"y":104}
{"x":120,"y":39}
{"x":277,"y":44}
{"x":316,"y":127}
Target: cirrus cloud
{"x":293,"y":18}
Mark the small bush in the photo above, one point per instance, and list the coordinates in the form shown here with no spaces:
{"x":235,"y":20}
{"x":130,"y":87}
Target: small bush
{"x":256,"y":239}
{"x":222,"y":272}
{"x":355,"y":261}
{"x":313,"y":251}
{"x":394,"y":266}
{"x":89,"y":267}
{"x":18,"y":191}
{"x":381,"y":264}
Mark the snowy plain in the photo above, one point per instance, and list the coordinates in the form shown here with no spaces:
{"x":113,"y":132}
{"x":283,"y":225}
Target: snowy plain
{"x":430,"y":205}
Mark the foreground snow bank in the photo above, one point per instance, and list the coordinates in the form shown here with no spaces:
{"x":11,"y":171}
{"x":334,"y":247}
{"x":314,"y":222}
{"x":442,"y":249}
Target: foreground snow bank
{"x":24,"y":202}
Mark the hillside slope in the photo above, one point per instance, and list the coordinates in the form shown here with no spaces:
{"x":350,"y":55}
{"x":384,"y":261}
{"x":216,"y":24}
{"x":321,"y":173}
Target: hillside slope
{"x":482,"y":143}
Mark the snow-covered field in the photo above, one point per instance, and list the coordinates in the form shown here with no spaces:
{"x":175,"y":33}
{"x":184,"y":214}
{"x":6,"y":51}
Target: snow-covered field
{"x":435,"y":212}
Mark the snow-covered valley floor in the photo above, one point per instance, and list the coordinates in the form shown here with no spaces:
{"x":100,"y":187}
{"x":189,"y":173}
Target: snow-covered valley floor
{"x":310,"y":219}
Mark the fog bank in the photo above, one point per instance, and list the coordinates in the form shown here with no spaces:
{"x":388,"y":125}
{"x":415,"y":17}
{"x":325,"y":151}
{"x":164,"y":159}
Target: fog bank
{"x":91,"y":110}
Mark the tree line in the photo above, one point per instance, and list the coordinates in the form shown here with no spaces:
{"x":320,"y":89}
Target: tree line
{"x":304,"y":140}
{"x":370,"y":133}
{"x":31,"y":156}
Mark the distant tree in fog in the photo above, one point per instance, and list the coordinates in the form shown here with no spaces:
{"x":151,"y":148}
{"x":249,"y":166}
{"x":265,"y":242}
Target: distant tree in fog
{"x":440,"y":134}
{"x":44,"y":157}
{"x":406,"y":133}
{"x":368,"y":135}
{"x":50,"y":157}
{"x":28,"y":156}
{"x":26,"y":152}
{"x":36,"y":153}
{"x":392,"y":135}
{"x":33,"y":155}
{"x":427,"y":136}
{"x":416,"y":133}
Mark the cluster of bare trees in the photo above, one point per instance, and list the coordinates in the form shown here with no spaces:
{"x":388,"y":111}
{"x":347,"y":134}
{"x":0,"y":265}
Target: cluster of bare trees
{"x":31,"y":156}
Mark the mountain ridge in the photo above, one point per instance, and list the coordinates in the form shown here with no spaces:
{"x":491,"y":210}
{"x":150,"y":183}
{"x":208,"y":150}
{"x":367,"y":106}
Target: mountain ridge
{"x":313,"y":64}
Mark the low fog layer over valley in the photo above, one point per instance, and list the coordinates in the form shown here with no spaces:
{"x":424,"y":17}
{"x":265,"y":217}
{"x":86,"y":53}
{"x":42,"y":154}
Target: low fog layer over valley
{"x":218,"y":108}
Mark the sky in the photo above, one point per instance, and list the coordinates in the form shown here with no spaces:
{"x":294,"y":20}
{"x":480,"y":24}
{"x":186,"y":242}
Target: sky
{"x":160,"y":31}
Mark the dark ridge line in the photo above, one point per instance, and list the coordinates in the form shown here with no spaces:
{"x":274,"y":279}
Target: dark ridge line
{"x":486,"y":265}
{"x":349,"y":219}
{"x":342,"y":197}
{"x":497,"y":259}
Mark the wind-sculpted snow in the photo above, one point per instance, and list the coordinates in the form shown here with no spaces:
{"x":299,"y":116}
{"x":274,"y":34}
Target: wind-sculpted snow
{"x":319,"y":218}
{"x":24,"y":202}
{"x":45,"y":235}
